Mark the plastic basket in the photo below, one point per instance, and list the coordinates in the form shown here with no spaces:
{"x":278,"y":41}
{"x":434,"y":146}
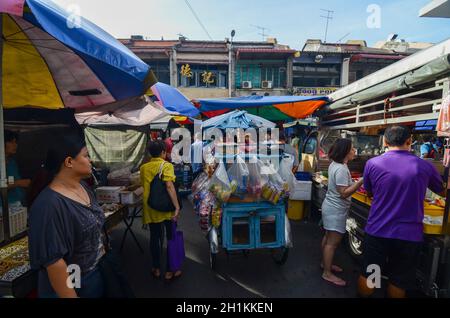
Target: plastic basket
{"x":302,"y":191}
{"x":433,"y":211}
{"x":303,"y":176}
{"x":17,"y":222}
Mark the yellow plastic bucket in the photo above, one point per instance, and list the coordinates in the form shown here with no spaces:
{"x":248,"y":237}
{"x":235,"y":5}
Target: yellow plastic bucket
{"x":296,"y":210}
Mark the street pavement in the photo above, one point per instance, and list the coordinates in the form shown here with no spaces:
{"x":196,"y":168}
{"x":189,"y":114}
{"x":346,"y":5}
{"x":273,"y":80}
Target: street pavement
{"x":237,"y":276}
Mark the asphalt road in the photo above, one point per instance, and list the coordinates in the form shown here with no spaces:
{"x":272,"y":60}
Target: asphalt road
{"x":236,"y":276}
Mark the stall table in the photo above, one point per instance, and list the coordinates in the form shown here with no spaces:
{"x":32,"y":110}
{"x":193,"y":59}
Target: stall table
{"x":122,"y":213}
{"x":16,"y":277}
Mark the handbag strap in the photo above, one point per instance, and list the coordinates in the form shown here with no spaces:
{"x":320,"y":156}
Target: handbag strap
{"x":161,"y":169}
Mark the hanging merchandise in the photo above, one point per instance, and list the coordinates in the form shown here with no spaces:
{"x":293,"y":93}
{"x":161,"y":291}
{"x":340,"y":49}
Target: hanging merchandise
{"x":276,"y":189}
{"x":216,"y":218}
{"x":285,"y":171}
{"x":256,"y":180}
{"x":443,"y":126}
{"x":206,"y":202}
{"x":200,"y":183}
{"x":221,"y":186}
{"x":238,"y":174}
{"x":447,"y":158}
{"x":288,"y":233}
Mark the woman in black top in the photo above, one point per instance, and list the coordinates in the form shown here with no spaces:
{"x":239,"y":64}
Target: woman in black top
{"x":65,"y":235}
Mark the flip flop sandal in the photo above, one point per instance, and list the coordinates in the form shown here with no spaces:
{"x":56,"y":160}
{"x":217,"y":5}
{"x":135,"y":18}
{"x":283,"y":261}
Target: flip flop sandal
{"x":156,"y":274}
{"x":334,"y":268}
{"x":177,"y":274}
{"x":336,"y":283}
{"x":168,"y":278}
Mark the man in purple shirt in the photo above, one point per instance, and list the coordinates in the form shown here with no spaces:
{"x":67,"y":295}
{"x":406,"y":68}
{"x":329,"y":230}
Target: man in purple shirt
{"x":398,"y":181}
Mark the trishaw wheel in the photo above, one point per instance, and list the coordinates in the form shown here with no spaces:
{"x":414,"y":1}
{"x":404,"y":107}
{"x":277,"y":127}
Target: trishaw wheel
{"x":280,"y":255}
{"x":212,"y":260}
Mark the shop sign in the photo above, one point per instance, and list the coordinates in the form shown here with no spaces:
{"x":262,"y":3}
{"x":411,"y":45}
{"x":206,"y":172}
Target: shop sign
{"x":186,"y":71}
{"x":314,"y":91}
{"x":208,"y":77}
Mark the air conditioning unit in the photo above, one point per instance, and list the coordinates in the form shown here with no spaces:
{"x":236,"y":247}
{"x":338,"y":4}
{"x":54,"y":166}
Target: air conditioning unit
{"x":267,"y":84}
{"x":246,"y":84}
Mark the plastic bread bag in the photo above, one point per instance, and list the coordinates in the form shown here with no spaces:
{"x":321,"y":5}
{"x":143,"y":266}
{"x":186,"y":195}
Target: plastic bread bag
{"x":216,"y":216}
{"x":213,"y":241}
{"x":276,"y":189}
{"x":288,"y":233}
{"x":256,"y":178}
{"x":200,"y":188}
{"x":200,"y":183}
{"x":220,"y":184}
{"x":205,"y":207}
{"x":238,"y":174}
{"x":285,"y":171}
{"x":275,"y":178}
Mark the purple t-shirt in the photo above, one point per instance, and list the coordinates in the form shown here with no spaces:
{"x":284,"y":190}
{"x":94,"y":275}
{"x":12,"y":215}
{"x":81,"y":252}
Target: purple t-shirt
{"x":398,"y":181}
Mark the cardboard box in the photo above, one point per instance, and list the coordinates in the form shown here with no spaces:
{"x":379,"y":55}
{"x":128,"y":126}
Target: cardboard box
{"x":108,"y":194}
{"x":131,"y":195}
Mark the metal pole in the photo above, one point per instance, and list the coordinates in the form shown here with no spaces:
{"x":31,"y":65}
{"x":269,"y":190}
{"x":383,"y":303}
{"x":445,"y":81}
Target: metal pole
{"x":3,"y":179}
{"x":230,"y":68}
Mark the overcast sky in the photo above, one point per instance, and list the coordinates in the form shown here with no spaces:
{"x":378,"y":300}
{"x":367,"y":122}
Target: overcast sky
{"x":290,"y":21}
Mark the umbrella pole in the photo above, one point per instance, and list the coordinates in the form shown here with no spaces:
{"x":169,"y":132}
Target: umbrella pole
{"x":3,"y":183}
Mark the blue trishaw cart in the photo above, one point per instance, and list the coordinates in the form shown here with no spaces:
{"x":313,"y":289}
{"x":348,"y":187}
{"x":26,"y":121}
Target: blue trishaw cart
{"x":249,"y":224}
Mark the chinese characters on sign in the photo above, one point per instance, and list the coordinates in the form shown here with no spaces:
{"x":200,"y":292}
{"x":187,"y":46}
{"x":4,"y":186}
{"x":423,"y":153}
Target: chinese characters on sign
{"x":186,"y":71}
{"x":208,"y":77}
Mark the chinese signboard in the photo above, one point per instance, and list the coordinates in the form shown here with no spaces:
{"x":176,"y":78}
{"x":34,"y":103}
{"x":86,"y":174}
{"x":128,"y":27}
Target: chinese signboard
{"x":208,"y":77}
{"x":186,"y":71}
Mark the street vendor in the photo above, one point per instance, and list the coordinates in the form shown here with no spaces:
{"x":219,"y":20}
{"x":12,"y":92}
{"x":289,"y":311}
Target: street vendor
{"x":398,"y":182}
{"x":16,"y":184}
{"x":288,"y":149}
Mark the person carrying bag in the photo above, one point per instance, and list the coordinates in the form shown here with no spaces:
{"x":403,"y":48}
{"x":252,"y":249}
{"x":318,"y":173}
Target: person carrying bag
{"x":161,"y":203}
{"x":160,"y":199}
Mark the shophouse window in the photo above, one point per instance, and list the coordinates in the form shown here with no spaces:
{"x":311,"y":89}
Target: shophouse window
{"x":359,"y":74}
{"x":257,"y":73}
{"x":161,"y":69}
{"x":317,"y":75}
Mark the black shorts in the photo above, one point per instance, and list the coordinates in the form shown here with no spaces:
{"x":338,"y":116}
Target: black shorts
{"x":397,"y":259}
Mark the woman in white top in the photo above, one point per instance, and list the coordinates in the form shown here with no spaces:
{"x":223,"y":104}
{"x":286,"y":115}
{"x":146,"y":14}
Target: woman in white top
{"x":336,"y":205}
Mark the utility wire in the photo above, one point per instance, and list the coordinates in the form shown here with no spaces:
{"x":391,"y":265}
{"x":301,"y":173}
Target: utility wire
{"x":198,"y":19}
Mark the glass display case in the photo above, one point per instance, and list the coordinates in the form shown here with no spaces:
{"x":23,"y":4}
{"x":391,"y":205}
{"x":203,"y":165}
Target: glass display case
{"x":365,"y":145}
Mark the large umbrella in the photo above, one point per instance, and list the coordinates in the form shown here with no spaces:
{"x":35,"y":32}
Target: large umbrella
{"x":237,"y":119}
{"x":139,"y":112}
{"x":275,"y":108}
{"x":173,"y":100}
{"x":52,"y":60}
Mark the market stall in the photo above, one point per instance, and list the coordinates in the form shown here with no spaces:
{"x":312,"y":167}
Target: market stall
{"x":274,"y":108}
{"x":49,"y":67}
{"x":36,"y":131}
{"x":361,"y":112}
{"x":240,"y":196}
